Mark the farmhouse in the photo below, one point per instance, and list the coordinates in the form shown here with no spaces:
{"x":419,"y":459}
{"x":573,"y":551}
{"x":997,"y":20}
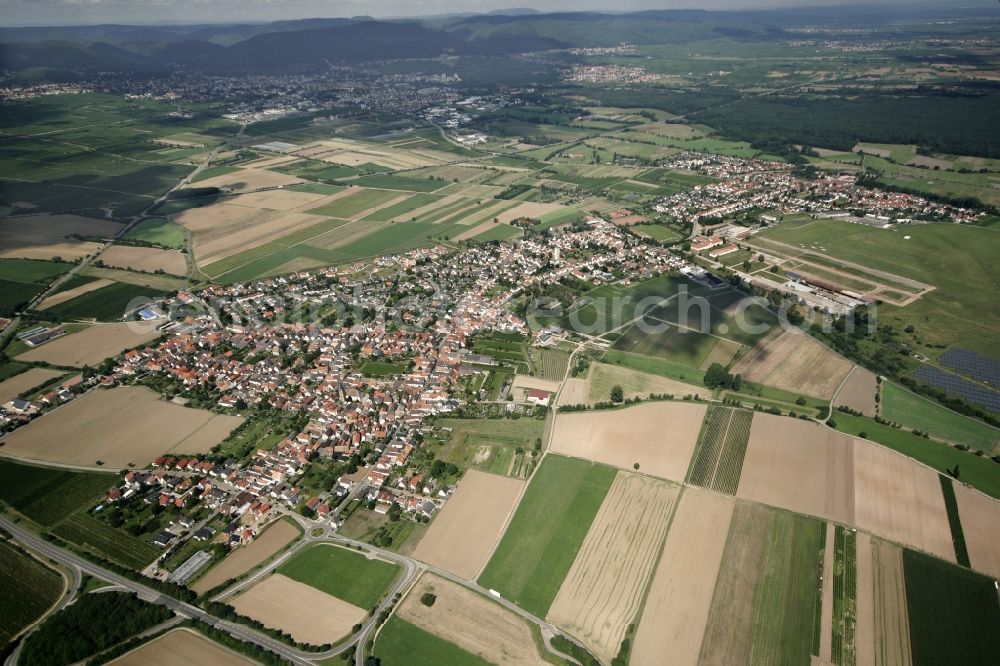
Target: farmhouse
{"x":539,"y":397}
{"x":724,"y":250}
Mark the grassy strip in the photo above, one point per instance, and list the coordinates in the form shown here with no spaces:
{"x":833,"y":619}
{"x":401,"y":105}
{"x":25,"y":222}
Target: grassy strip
{"x":844,"y":596}
{"x":957,"y":536}
{"x":818,"y":605}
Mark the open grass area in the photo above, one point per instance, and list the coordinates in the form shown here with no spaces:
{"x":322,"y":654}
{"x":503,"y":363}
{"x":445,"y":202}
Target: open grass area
{"x":978,"y":472}
{"x":909,"y":409}
{"x":382,"y":369}
{"x":543,"y":537}
{"x":158,"y":231}
{"x":656,"y":366}
{"x":23,"y":279}
{"x":487,"y":443}
{"x":953,"y":613}
{"x":27,"y":589}
{"x":46,"y":495}
{"x":403,"y":644}
{"x":345,"y":574}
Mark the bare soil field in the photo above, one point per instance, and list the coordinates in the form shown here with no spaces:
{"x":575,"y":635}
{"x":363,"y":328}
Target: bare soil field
{"x":660,"y":436}
{"x":245,"y":558}
{"x":280,"y":199}
{"x":574,"y":392}
{"x":308,"y":615}
{"x":859,"y":391}
{"x":801,"y":466}
{"x":93,"y":344}
{"x":70,"y":294}
{"x":473,"y":231}
{"x":889,"y":642}
{"x":677,"y":607}
{"x":729,"y":626}
{"x":461,"y":537}
{"x":123,"y":425}
{"x":472,"y":622}
{"x":46,"y":236}
{"x":18,"y":384}
{"x":182,"y":647}
{"x":980,"y":516}
{"x":245,"y":180}
{"x":795,"y":362}
{"x":900,"y":499}
{"x":524,"y":383}
{"x":604,"y":376}
{"x":145,"y":259}
{"x":603,"y":592}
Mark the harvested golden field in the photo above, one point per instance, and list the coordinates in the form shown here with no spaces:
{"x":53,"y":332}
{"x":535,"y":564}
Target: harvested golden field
{"x":859,"y":391}
{"x":245,"y":558}
{"x":899,"y":499}
{"x":181,"y":647}
{"x":245,"y":180}
{"x":603,"y":591}
{"x":46,"y":236}
{"x":532,"y":210}
{"x":603,"y":377}
{"x":70,"y":294}
{"x":472,"y":622}
{"x":93,"y":344}
{"x":280,"y":199}
{"x":680,"y":596}
{"x":574,"y":392}
{"x":980,"y":516}
{"x":18,"y":384}
{"x":794,"y":362}
{"x":801,"y":466}
{"x":145,"y":259}
{"x":660,"y":436}
{"x":729,"y":625}
{"x":462,"y":535}
{"x":308,"y":615}
{"x":119,"y":426}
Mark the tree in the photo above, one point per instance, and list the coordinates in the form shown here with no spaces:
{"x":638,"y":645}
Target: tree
{"x":438,"y":468}
{"x":635,"y":466}
{"x":427,"y":599}
{"x":617,"y":394}
{"x":395,"y":511}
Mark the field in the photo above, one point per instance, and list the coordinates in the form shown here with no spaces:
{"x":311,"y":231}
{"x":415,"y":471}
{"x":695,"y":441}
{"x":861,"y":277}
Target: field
{"x":45,"y":237}
{"x":552,"y":364}
{"x":403,"y":644}
{"x":87,"y":532}
{"x":145,"y":259}
{"x":181,"y":647}
{"x":980,"y":520}
{"x":901,"y":406}
{"x":858,"y":392}
{"x":721,"y":449}
{"x":108,"y":303}
{"x":27,"y":590}
{"x":543,"y":538}
{"x":462,"y":534}
{"x":159,"y":232}
{"x":603,"y":377}
{"x":686,"y":569}
{"x":101,"y":425}
{"x":486,"y":443}
{"x":882,"y":627}
{"x":603,"y":592}
{"x":243,"y":559}
{"x":24,"y":382}
{"x":953,"y":613}
{"x":73,"y":287}
{"x":92,"y":345}
{"x":345,"y":574}
{"x":800,"y":466}
{"x":47,"y":495}
{"x":844,"y":592}
{"x":308,"y":615}
{"x":659,"y":436}
{"x":356,"y":203}
{"x":766,"y":606}
{"x":795,"y":362}
{"x":23,"y":279}
{"x":469,"y":621}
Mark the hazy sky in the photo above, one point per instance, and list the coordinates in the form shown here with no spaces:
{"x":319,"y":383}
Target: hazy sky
{"x":70,"y":12}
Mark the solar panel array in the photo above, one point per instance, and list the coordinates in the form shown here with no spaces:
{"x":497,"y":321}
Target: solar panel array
{"x":970,"y":363}
{"x":963,"y":388}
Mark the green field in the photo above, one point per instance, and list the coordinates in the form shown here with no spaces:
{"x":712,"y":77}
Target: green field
{"x":91,"y":534}
{"x":657,"y":232}
{"x":954,"y":520}
{"x":382,"y":369}
{"x":682,"y":346}
{"x":845,"y":588}
{"x":498,"y":232}
{"x":46,"y":495}
{"x":956,"y":258}
{"x":158,"y":231}
{"x":403,"y":644}
{"x":356,"y":202}
{"x":390,"y":182}
{"x":23,"y":279}
{"x":655,"y":366}
{"x":105,"y":304}
{"x":551,"y":363}
{"x":403,"y":207}
{"x":901,"y":406}
{"x":953,"y":613}
{"x":543,"y":538}
{"x":718,"y":461}
{"x":345,"y":574}
{"x":978,"y":472}
{"x":785,"y":600}
{"x":212,"y":172}
{"x":488,"y":443}
{"x":27,"y":589}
